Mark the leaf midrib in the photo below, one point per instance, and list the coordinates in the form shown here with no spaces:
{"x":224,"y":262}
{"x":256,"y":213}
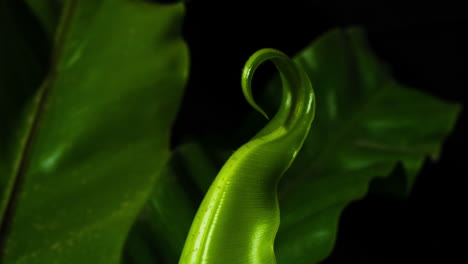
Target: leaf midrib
{"x":20,"y":168}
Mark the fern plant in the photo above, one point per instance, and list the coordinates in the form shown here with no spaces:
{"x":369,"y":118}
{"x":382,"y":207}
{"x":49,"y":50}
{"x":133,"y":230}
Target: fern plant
{"x":89,"y":91}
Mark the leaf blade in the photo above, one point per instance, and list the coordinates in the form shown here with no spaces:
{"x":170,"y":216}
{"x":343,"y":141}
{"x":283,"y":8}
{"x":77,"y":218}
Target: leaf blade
{"x":332,"y":169}
{"x":384,"y":123}
{"x":101,"y":139}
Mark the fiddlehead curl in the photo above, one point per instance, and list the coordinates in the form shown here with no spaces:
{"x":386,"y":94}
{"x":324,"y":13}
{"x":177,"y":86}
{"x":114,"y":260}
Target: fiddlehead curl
{"x":239,"y":216}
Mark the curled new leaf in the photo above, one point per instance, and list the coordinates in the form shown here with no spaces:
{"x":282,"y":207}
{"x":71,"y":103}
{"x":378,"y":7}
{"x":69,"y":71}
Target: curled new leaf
{"x":239,"y":216}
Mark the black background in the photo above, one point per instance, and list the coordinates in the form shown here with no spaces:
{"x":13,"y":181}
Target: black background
{"x":425,"y":46}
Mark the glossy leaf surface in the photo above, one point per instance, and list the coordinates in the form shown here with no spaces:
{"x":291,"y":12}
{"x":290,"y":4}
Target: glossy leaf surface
{"x":96,"y":134}
{"x":366,"y":123}
{"x":239,"y":216}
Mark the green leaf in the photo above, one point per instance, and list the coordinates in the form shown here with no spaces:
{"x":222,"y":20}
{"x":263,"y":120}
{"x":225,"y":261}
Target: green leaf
{"x":163,"y":225}
{"x":366,"y":125}
{"x":81,"y":163}
{"x":17,"y":86}
{"x":239,"y":216}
